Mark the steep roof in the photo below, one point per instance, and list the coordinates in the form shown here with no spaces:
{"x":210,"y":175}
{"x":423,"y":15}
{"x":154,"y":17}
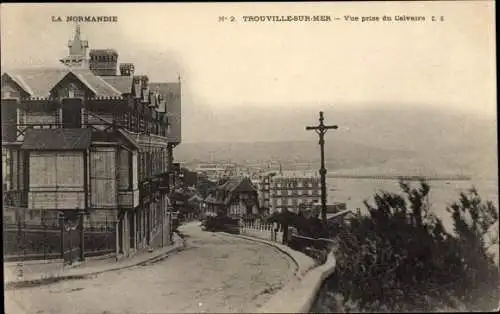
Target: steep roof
{"x":237,"y":184}
{"x":57,"y":139}
{"x":39,"y":82}
{"x":121,"y":83}
{"x":98,"y":84}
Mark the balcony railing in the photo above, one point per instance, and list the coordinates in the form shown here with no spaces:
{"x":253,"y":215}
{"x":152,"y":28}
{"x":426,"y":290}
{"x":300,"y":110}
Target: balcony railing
{"x":129,"y":123}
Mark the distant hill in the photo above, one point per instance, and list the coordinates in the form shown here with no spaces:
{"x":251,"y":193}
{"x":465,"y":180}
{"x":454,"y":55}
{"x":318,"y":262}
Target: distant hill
{"x":384,"y":141}
{"x":344,"y":158}
{"x":339,"y":154}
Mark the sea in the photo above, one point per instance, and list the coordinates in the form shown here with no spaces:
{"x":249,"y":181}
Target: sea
{"x":353,"y":191}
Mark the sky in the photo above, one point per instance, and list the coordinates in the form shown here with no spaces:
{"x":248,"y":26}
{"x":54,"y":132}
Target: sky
{"x":228,"y":67}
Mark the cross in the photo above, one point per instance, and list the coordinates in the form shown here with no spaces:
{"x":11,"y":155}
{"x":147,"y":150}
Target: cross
{"x":321,"y":130}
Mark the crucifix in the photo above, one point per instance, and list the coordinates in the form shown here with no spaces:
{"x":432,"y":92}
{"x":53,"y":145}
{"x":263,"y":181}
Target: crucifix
{"x":321,"y":130}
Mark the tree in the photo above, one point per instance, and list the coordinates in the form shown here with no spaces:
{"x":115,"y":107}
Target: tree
{"x":401,"y":258}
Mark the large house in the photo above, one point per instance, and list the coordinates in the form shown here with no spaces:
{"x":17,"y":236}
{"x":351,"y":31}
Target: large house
{"x":289,"y":190}
{"x":234,"y":197}
{"x":90,"y":135}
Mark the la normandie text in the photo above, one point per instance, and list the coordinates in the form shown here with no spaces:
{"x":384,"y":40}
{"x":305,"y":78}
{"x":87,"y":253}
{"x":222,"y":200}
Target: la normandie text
{"x":85,"y":19}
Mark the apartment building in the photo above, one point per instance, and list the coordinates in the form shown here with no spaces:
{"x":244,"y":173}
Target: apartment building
{"x":90,"y":135}
{"x":289,"y":190}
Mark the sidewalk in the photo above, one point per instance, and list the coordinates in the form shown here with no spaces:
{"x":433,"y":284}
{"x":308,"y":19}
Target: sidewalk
{"x":44,"y":273}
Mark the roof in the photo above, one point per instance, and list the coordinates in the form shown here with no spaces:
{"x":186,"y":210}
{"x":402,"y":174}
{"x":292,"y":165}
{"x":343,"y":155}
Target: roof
{"x":195,"y":197}
{"x":104,"y":52}
{"x":100,"y":87}
{"x":39,"y":82}
{"x":237,"y":184}
{"x":342,"y":214}
{"x":169,"y":92}
{"x":121,"y":83}
{"x":57,"y":139}
{"x":129,"y":138}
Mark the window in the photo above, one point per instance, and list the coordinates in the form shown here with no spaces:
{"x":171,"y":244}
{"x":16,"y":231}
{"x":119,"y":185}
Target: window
{"x":71,"y":91}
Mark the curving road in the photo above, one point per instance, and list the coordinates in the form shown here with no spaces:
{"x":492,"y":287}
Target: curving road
{"x":215,"y":273}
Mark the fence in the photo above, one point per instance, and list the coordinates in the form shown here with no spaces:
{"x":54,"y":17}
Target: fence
{"x":264,"y":231}
{"x":315,"y":248}
{"x":99,"y":241}
{"x":24,"y":242}
{"x":31,"y":242}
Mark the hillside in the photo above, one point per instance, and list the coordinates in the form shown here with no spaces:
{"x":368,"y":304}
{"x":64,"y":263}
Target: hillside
{"x":344,"y":158}
{"x":339,"y":154}
{"x":390,"y":140}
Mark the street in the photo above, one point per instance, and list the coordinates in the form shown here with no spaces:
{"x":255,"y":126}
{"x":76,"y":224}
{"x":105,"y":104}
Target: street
{"x":215,"y":273}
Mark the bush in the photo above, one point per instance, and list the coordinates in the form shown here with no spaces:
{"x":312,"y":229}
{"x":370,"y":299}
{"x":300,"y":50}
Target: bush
{"x":401,"y":258}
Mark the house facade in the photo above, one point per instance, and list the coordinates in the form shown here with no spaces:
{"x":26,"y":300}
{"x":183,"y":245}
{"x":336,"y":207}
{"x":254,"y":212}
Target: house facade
{"x":234,"y":197}
{"x":90,"y":136}
{"x":291,"y":191}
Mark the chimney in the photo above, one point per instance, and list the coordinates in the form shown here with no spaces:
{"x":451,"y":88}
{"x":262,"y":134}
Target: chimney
{"x":103,"y":62}
{"x":126,"y":69}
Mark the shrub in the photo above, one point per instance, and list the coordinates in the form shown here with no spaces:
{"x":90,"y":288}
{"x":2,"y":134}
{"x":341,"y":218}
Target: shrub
{"x":401,"y":258}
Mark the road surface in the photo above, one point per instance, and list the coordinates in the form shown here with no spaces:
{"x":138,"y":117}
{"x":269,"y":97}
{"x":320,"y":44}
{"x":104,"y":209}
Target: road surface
{"x":215,"y":273}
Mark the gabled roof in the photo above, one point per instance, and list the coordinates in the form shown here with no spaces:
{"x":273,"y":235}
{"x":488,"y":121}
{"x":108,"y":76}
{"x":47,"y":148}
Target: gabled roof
{"x":129,"y":138}
{"x":96,"y":83}
{"x":121,"y":83}
{"x":57,"y":139}
{"x":237,"y":184}
{"x":39,"y":82}
{"x":196,"y":198}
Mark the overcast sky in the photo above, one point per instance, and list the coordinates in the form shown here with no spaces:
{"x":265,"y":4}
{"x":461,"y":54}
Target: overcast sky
{"x":449,"y":64}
